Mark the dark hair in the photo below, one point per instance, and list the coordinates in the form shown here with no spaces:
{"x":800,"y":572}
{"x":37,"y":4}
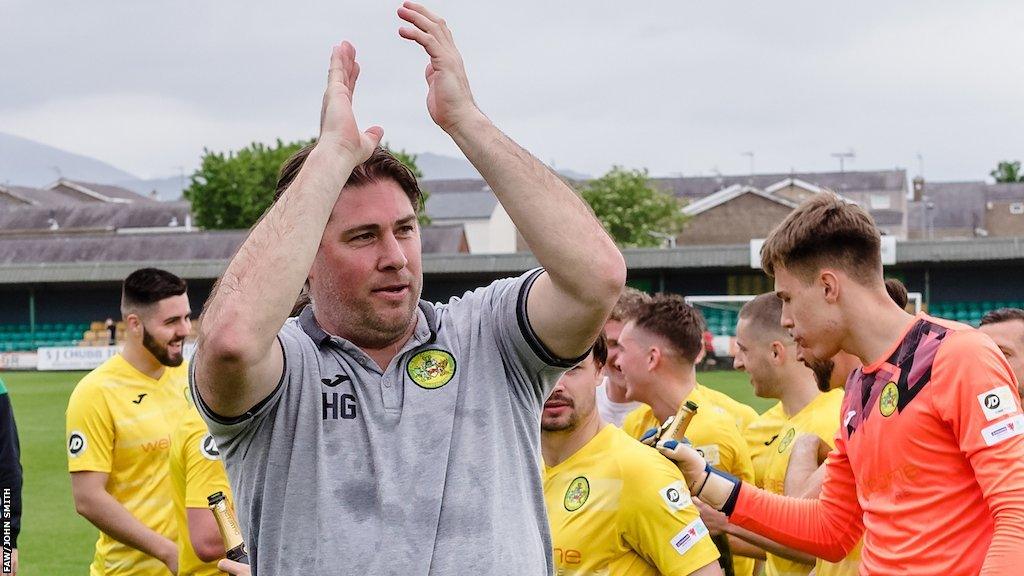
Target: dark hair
{"x":600,"y":350}
{"x":897,"y":291}
{"x":825,"y":231}
{"x":381,"y":165}
{"x":671,"y":318}
{"x":765,"y":314}
{"x":149,"y":286}
{"x":629,"y":302}
{"x":1002,"y":315}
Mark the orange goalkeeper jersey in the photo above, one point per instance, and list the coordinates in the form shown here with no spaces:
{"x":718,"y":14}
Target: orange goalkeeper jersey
{"x":928,"y":464}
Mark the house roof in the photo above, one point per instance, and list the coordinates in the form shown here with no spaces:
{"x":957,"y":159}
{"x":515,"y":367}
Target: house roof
{"x":461,"y":206}
{"x":700,"y":186}
{"x":101,"y":192}
{"x":727,"y":194}
{"x":93,"y":216}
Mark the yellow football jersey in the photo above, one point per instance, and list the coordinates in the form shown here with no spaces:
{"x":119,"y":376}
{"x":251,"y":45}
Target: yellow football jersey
{"x":196,"y":472}
{"x":849,"y":566}
{"x":761,"y":435}
{"x":742,"y":413}
{"x":819,"y":417}
{"x":619,"y":507}
{"x":714,"y":435}
{"x":119,"y":421}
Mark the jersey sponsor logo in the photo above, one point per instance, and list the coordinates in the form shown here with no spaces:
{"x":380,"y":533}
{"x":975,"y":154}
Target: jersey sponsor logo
{"x":787,"y":440}
{"x":710,"y":453}
{"x":577,"y":493}
{"x":208,"y":448}
{"x":689,"y":536}
{"x":769,"y":443}
{"x":1001,"y":431}
{"x":161,"y":444}
{"x":431,"y":369}
{"x":997,"y":402}
{"x":675,"y":496}
{"x":76,"y":444}
{"x":889,"y":399}
{"x":139,"y":401}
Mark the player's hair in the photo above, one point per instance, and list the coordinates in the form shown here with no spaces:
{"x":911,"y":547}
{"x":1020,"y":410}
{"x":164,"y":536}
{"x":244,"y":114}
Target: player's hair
{"x":825,"y":231}
{"x":897,"y":291}
{"x":671,"y":318}
{"x":148,"y":286}
{"x":764,"y":313}
{"x":381,"y":165}
{"x":1002,"y":315}
{"x":600,"y":350}
{"x":629,"y":302}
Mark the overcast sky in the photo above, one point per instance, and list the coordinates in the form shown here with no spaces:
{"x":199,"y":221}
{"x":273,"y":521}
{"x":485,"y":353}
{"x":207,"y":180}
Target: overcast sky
{"x":674,"y":86}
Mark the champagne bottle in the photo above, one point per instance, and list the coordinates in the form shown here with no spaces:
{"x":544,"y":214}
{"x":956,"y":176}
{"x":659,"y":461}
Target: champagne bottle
{"x":229,"y":529}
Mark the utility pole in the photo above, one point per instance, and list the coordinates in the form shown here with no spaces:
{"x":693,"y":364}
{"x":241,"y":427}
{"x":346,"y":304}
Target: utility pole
{"x":842,"y":156}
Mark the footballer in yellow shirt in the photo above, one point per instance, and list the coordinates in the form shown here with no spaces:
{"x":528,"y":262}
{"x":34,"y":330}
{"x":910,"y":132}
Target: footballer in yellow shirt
{"x":196,"y":472}
{"x":615,"y":506}
{"x":761,"y":435}
{"x":821,"y":418}
{"x":119,"y":421}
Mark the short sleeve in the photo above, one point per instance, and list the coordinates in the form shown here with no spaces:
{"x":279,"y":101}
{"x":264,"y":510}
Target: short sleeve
{"x":500,"y":310}
{"x":89,"y":436}
{"x":204,"y":470}
{"x":659,"y":520}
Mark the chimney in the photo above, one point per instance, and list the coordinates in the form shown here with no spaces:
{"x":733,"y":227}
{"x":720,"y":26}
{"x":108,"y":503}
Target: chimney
{"x":918,"y":188}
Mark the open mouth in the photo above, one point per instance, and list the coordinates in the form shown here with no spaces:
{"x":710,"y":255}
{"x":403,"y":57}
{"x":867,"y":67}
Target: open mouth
{"x":392,"y":291}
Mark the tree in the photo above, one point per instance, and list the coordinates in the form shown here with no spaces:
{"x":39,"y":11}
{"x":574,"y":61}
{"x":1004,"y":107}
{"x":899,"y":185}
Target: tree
{"x":634,"y":213}
{"x":1007,"y":172}
{"x":410,"y":162}
{"x":231,"y":191}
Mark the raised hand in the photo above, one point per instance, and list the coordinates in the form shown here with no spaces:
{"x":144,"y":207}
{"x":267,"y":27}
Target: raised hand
{"x":339,"y":132}
{"x":449,"y":98}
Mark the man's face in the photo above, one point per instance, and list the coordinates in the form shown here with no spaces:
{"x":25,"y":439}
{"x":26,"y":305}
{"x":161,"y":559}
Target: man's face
{"x":573,"y":398}
{"x":753,"y":356}
{"x":1009,"y":336}
{"x":634,"y":361}
{"x":367,"y":276}
{"x":165,"y":325}
{"x":612,"y":331}
{"x":832,"y":373}
{"x":810,"y":318}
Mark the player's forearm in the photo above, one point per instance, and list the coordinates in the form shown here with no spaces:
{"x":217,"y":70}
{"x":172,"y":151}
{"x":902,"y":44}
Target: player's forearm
{"x":802,"y":468}
{"x":756,"y":545}
{"x":114,"y":520}
{"x":579,"y":256}
{"x":254,"y":297}
{"x":822,"y":529}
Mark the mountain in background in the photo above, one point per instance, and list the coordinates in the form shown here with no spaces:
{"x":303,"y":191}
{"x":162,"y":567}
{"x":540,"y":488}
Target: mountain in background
{"x":24,"y":162}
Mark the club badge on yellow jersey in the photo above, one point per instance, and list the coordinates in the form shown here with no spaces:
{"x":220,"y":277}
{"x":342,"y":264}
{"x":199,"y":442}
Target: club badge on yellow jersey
{"x":577,"y":494}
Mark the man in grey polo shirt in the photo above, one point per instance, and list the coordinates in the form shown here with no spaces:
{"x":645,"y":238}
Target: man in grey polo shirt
{"x":376,"y":433}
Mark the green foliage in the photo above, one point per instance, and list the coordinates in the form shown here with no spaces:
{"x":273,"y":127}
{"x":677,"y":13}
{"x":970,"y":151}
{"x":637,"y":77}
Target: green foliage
{"x":1007,"y":172}
{"x":410,"y":162}
{"x":231,"y":191}
{"x":633,"y":212}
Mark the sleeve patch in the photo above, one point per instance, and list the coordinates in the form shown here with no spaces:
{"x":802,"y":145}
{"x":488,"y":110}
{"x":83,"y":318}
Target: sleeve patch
{"x":997,"y":402}
{"x":1002,"y":431}
{"x":710,"y":453}
{"x":76,"y":444}
{"x":689,"y":536}
{"x":208,"y":448}
{"x":676,"y":497}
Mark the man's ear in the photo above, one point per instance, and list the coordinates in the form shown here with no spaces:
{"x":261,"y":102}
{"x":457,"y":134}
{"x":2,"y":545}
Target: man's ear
{"x":654,"y":358}
{"x":829,"y":282}
{"x":778,"y":353}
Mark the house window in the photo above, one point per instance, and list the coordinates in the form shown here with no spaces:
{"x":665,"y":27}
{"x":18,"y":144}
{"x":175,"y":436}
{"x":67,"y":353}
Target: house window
{"x":1017,"y":208}
{"x":880,"y":202}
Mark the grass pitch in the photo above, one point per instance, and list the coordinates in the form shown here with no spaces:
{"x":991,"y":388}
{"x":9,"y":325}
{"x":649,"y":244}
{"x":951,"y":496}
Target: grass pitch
{"x":54,"y":538}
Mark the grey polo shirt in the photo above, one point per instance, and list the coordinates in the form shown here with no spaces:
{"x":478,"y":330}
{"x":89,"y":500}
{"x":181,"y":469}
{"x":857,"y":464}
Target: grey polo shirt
{"x":431,"y":467}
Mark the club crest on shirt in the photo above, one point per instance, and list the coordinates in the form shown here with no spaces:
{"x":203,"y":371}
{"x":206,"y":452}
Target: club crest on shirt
{"x":577,"y":494}
{"x":787,"y":440}
{"x":889,"y":399}
{"x":431,"y":369}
